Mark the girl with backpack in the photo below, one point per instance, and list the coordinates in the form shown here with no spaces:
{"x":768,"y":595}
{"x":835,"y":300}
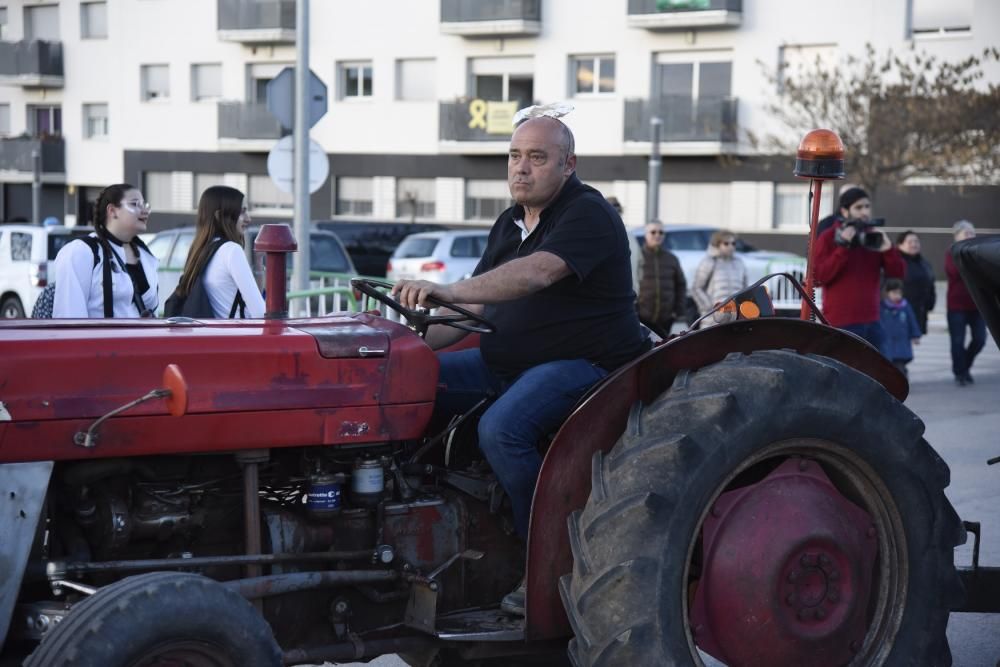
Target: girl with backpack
{"x":110,"y":273}
{"x":217,"y":279}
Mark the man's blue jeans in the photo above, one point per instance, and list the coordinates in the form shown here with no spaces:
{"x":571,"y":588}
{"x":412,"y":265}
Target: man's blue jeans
{"x":871,"y":332}
{"x":962,"y":356}
{"x":533,"y":404}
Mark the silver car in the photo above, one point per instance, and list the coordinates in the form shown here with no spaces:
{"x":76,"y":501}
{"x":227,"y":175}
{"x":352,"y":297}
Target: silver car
{"x":440,"y":257}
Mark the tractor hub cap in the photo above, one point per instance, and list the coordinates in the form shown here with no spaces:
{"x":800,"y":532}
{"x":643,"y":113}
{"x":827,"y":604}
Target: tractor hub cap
{"x":786,"y":572}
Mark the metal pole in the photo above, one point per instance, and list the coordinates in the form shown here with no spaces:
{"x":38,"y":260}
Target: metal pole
{"x":806,"y":311}
{"x":36,"y":186}
{"x":303,"y":215}
{"x":655,"y":169}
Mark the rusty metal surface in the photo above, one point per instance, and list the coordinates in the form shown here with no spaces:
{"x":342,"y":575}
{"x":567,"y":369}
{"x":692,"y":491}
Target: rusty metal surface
{"x":295,"y":582}
{"x":564,"y":480}
{"x":786,"y":572}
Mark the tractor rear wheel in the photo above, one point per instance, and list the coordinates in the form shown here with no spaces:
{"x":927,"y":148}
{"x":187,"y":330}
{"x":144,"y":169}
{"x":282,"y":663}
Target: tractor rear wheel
{"x":161,"y":618}
{"x":770,"y":509}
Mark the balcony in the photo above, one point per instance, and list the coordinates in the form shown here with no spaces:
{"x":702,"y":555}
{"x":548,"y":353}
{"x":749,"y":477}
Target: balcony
{"x":16,"y":160}
{"x":476,"y":126}
{"x":242,"y":123}
{"x":684,"y":14}
{"x":686,"y":122}
{"x":31,"y":64}
{"x":499,"y":18}
{"x":257,"y":21}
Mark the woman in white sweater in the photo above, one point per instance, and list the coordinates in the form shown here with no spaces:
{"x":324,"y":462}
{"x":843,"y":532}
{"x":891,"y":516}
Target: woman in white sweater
{"x":719,"y":275}
{"x":217,"y":257}
{"x":111,"y":273}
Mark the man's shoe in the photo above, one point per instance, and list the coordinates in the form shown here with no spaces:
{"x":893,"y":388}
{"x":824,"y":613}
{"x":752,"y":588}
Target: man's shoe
{"x":960,"y":381}
{"x":513,"y":602}
{"x":968,"y":379}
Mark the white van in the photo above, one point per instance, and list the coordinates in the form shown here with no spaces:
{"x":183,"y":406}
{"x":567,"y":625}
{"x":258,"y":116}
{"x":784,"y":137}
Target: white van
{"x":26,"y":255}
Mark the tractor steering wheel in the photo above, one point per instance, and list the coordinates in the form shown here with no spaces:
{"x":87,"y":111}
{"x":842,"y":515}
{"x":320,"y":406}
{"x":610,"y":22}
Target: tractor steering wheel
{"x":418,"y":320}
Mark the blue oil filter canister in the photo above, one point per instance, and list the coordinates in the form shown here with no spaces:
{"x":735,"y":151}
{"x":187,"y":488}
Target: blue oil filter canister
{"x":323,"y":494}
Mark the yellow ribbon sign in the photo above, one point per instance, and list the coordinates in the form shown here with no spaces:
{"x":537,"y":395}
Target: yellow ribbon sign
{"x":493,"y":117}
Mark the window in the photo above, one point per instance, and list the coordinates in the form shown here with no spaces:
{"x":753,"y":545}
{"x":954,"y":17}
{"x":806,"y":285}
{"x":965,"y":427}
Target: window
{"x":264,"y":194}
{"x":206,"y":81}
{"x":20,"y":247}
{"x":203,"y":182}
{"x":692,"y":95}
{"x":44,"y":120}
{"x":694,"y":203}
{"x":486,"y":200}
{"x":355,"y":80}
{"x":415,"y":198}
{"x":4,"y":120}
{"x":593,"y":75}
{"x":354,"y":196}
{"x":791,"y":205}
{"x":155,"y":82}
{"x":158,"y":187}
{"x":415,"y":80}
{"x":937,"y":17}
{"x":503,"y":80}
{"x":41,"y":22}
{"x":3,"y":23}
{"x":95,"y":121}
{"x":258,"y":76}
{"x":468,"y":246}
{"x":93,"y":20}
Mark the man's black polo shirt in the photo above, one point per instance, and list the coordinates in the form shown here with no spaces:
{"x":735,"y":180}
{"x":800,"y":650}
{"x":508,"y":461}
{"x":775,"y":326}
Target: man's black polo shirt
{"x":587,"y":315}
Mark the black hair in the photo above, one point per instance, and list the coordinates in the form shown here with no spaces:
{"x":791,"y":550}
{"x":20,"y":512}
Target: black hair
{"x":902,"y":236}
{"x":111,"y":195}
{"x":892,"y":284}
{"x":851,"y":195}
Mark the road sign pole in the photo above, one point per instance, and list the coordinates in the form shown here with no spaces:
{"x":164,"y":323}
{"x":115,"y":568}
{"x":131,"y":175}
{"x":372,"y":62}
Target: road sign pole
{"x":303,"y":215}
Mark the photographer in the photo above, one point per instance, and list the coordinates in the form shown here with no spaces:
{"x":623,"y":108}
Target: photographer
{"x":850,"y":257}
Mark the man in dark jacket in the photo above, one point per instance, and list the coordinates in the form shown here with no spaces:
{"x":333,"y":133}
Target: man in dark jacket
{"x":662,"y":287}
{"x":962,"y":313}
{"x":918,"y":285}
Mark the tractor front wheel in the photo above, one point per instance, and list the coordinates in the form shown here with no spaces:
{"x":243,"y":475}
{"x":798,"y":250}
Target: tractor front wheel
{"x":162,"y":618}
{"x":770,"y":509}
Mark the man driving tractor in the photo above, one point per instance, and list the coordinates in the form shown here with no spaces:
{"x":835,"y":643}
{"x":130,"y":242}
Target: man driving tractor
{"x":556,"y":280}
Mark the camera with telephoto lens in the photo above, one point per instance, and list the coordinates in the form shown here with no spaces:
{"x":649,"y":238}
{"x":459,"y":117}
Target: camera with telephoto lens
{"x":867,"y":236}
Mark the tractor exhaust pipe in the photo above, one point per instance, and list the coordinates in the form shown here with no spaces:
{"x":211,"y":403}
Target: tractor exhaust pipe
{"x":275,"y":241}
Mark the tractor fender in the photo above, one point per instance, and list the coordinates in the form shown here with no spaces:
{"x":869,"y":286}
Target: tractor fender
{"x":23,"y":487}
{"x":564,"y":482}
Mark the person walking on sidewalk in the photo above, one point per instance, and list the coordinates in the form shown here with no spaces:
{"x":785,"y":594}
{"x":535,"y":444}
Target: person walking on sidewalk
{"x":918,"y":285}
{"x":899,"y":324}
{"x":962,"y":313}
{"x":662,"y":287}
{"x":719,"y":275}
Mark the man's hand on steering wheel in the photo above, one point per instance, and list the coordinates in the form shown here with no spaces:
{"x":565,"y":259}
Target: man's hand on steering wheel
{"x":414,"y":293}
{"x":420,"y":319}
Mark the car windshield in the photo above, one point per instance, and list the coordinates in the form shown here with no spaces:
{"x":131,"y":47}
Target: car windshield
{"x":416,"y":246}
{"x":57,"y":241}
{"x":325,"y":256}
{"x":695,"y":239}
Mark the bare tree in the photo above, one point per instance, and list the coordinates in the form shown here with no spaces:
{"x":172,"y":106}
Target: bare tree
{"x":900,"y":116}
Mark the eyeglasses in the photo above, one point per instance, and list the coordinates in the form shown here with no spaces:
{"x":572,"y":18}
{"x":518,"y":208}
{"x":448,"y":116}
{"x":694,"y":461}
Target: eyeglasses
{"x":727,"y":243}
{"x":655,"y":232}
{"x":138,"y":207}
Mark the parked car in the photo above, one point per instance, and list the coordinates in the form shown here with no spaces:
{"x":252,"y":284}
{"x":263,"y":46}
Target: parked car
{"x":441,"y":257}
{"x":26,"y":252}
{"x":326,"y":255}
{"x":690,"y":243}
{"x":370,"y":243}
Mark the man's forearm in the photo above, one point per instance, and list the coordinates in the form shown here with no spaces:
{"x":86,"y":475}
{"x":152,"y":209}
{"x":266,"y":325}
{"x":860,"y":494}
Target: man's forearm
{"x":513,"y":280}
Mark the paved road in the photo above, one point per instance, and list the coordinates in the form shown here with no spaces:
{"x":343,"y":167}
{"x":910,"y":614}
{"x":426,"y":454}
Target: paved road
{"x":963,"y":424}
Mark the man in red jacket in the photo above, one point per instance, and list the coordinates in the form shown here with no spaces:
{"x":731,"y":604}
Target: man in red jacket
{"x":962,"y":313}
{"x":851,"y":273}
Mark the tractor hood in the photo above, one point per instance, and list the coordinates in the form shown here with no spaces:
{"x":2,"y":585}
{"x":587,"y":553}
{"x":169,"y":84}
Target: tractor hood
{"x":251,"y":384}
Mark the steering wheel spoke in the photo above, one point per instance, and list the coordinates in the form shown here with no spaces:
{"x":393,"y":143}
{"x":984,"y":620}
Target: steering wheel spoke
{"x":420,"y":320}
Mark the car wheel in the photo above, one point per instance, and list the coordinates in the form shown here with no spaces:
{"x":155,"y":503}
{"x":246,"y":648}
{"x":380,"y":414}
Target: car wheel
{"x":11,"y":308}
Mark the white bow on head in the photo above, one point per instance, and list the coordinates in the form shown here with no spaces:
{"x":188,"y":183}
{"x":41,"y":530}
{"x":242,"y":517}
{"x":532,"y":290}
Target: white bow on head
{"x":554,"y":110}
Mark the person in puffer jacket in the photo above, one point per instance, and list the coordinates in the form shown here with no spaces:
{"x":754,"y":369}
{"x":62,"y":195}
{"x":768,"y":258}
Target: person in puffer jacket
{"x":662,"y":289}
{"x":719,"y":275}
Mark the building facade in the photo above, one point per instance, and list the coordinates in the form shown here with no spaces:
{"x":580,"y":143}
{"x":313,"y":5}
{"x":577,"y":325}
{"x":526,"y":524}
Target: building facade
{"x":171,"y":95}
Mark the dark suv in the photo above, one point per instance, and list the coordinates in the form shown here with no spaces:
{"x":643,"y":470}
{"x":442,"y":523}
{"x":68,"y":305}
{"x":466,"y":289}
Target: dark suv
{"x":370,"y":242}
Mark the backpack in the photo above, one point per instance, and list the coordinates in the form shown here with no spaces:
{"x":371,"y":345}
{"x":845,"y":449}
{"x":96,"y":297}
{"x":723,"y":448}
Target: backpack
{"x":196,"y":304}
{"x":47,"y":299}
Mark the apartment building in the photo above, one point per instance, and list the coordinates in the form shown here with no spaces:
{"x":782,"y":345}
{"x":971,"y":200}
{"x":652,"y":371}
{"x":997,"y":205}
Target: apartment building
{"x":171,"y":95}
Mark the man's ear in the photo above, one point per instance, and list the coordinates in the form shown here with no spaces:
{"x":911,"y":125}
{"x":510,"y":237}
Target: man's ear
{"x":570,"y":164}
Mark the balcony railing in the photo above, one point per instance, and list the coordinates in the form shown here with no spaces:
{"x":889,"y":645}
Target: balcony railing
{"x":476,"y":120}
{"x":257,"y":21}
{"x":684,"y":14}
{"x":15,"y":154}
{"x":248,"y":121}
{"x":475,"y":18}
{"x":34,"y":64}
{"x":684,"y":119}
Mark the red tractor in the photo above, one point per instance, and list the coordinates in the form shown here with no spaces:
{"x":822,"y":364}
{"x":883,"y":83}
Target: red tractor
{"x":755,"y":492}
